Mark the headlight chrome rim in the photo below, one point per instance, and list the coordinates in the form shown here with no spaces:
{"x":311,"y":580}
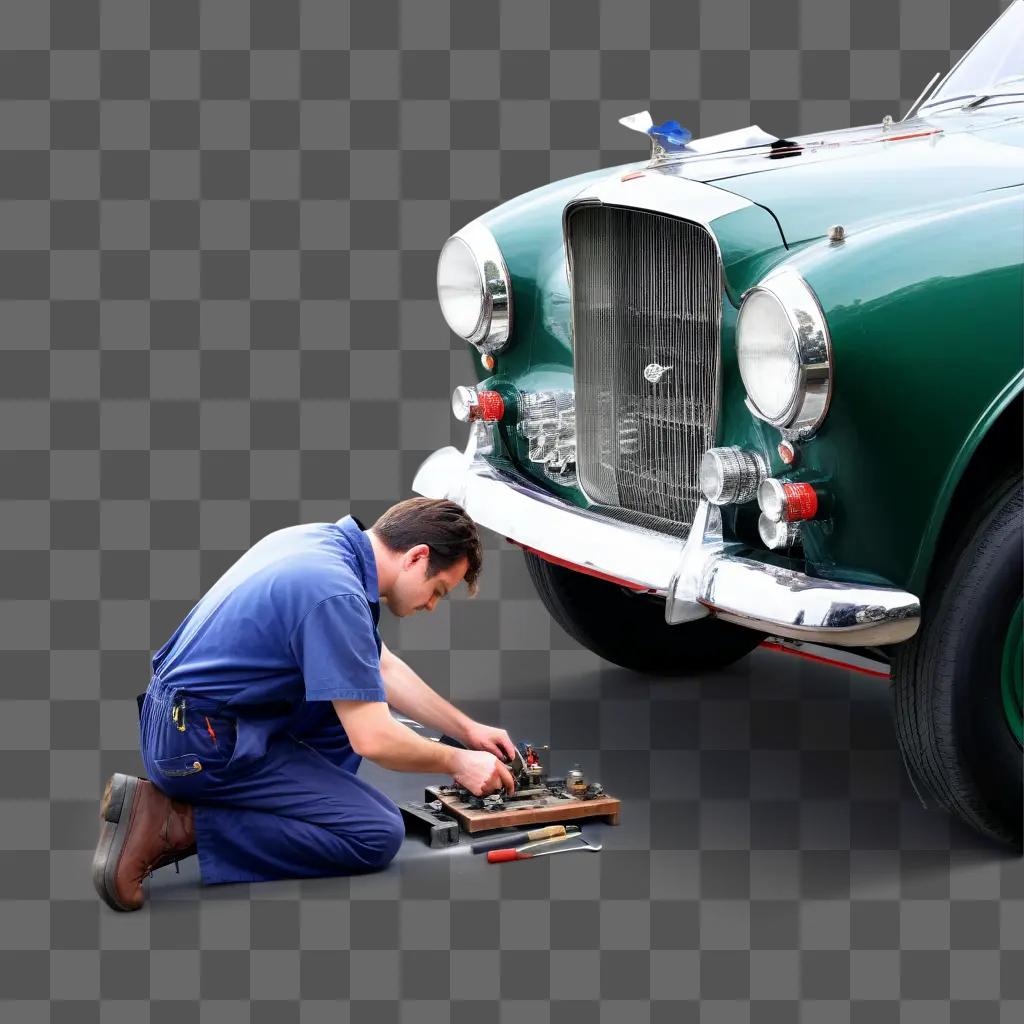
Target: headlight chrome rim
{"x":813,"y":393}
{"x":494,"y":325}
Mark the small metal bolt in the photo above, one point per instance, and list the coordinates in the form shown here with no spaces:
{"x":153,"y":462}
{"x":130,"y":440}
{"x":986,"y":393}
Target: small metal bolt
{"x":836,"y":233}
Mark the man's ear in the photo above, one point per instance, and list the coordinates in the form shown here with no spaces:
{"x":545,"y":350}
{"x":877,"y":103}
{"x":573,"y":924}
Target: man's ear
{"x":414,"y":554}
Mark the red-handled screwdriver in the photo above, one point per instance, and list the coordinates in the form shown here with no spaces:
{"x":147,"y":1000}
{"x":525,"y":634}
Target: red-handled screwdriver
{"x":524,"y":853}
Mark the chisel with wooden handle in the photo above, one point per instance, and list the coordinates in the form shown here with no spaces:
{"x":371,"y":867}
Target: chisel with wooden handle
{"x":518,"y":838}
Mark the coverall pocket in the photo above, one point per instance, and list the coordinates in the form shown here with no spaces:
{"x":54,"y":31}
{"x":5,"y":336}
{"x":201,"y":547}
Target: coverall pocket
{"x":188,"y":730}
{"x":183,"y":764}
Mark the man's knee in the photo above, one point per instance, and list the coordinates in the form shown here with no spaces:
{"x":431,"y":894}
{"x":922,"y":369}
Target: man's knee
{"x":377,"y":841}
{"x":383,"y":840}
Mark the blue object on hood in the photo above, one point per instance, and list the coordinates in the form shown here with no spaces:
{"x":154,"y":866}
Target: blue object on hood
{"x":671,"y":134}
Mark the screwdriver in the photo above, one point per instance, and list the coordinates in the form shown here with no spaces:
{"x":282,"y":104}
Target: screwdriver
{"x":525,"y":853}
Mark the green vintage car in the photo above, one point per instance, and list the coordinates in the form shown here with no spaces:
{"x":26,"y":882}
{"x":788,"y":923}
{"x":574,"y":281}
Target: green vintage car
{"x":757,"y":387}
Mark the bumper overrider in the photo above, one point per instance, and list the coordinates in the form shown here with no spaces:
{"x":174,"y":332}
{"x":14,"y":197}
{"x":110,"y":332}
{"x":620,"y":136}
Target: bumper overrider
{"x":701,"y":575}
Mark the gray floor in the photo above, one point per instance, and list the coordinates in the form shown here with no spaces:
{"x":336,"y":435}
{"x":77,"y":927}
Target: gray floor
{"x":772,"y":862}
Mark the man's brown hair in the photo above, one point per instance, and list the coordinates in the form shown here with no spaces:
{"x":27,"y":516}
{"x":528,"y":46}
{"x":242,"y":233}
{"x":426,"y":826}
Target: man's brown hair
{"x":441,"y":524}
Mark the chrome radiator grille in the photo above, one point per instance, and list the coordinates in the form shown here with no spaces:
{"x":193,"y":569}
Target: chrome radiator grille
{"x":646,"y":294}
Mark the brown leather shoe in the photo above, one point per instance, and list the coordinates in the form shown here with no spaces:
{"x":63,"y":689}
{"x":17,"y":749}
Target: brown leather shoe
{"x":141,"y":830}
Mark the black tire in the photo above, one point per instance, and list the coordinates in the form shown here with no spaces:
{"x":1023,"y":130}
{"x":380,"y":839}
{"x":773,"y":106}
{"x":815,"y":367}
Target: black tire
{"x":946,"y":689}
{"x":630,"y":629}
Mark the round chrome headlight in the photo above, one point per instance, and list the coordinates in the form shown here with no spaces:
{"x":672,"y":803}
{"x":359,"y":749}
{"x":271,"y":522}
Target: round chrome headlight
{"x":473,"y":288}
{"x":785,"y":354}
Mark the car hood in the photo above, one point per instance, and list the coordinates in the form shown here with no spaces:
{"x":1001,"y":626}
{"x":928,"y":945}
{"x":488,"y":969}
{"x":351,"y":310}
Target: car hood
{"x":857,"y":175}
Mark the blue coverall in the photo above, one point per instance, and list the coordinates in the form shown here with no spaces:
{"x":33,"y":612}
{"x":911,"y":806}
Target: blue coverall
{"x":237,"y":719}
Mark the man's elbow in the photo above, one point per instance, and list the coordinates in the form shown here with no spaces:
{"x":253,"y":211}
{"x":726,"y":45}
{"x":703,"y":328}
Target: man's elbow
{"x":368,"y":725}
{"x":367,"y":743}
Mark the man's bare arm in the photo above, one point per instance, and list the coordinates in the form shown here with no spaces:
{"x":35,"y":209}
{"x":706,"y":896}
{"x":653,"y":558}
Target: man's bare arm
{"x":410,"y":695}
{"x":375,"y":735}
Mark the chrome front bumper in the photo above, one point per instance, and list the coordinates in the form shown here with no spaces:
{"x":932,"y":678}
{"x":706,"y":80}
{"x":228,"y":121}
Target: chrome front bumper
{"x":698,"y":576}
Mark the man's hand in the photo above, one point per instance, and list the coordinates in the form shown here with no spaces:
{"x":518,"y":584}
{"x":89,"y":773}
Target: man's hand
{"x":478,"y":736}
{"x":480,"y":772}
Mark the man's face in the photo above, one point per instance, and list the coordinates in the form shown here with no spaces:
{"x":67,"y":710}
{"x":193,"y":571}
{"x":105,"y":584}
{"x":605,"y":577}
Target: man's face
{"x":413,"y":591}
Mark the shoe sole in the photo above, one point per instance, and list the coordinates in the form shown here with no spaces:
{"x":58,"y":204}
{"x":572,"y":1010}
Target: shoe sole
{"x":116,"y":817}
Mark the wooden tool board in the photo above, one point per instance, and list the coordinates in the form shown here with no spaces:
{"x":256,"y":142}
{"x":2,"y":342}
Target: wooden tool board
{"x":542,"y":810}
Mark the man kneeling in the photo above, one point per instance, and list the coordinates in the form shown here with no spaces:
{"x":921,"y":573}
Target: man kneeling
{"x":266,"y":698}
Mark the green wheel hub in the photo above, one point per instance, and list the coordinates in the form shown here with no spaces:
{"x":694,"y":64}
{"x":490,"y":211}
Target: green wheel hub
{"x":1013,"y":685}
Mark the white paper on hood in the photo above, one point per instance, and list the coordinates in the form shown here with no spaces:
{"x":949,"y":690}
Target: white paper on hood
{"x":741,"y":138}
{"x":638,"y":122}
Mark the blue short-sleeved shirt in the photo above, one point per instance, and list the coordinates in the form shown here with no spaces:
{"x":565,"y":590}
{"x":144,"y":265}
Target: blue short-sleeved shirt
{"x":295,"y":617}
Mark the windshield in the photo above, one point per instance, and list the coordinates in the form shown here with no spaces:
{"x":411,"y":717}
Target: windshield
{"x":992,"y":67}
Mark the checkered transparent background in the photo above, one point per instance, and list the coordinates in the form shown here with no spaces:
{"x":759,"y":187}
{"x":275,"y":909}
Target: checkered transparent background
{"x":218,"y":232}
